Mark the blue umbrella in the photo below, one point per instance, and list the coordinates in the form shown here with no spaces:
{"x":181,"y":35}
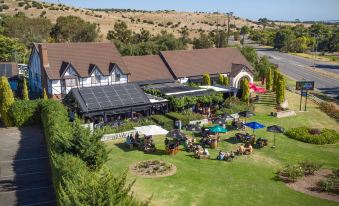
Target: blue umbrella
{"x":254,"y":125}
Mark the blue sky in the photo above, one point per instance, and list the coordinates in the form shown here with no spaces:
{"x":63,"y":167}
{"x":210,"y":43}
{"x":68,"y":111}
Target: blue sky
{"x":252,"y":9}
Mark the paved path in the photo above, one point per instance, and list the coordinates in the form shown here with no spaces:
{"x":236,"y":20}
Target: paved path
{"x":325,"y":76}
{"x":25,"y":177}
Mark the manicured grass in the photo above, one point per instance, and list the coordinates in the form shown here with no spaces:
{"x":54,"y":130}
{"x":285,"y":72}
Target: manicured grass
{"x":248,"y":180}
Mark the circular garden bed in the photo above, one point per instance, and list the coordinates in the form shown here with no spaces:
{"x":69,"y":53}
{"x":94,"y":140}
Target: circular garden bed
{"x":153,"y":168}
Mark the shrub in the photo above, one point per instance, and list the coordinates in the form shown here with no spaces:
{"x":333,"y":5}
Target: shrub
{"x":185,"y":117}
{"x":331,"y":184}
{"x":21,"y":4}
{"x":163,"y":121}
{"x":304,"y":134}
{"x":330,"y":109}
{"x":25,"y":112}
{"x":5,"y":7}
{"x":290,"y":173}
{"x":310,"y":167}
{"x":126,"y":126}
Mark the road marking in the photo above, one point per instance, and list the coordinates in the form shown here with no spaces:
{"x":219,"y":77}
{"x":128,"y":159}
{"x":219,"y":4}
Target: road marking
{"x":37,"y":158}
{"x":39,"y":203}
{"x":24,"y":174}
{"x":30,"y":189}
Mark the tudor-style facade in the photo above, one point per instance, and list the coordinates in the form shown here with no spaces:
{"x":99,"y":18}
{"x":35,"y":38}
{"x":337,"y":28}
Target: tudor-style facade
{"x":58,"y":79}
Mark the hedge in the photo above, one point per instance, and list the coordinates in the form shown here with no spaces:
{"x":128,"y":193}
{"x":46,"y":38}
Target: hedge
{"x":126,"y":126}
{"x":163,"y":121}
{"x":185,"y":116}
{"x":305,"y":134}
{"x":330,"y":109}
{"x":25,"y":112}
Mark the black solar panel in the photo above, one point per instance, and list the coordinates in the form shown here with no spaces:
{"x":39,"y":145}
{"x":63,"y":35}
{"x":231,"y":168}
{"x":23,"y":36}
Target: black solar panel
{"x":112,"y":96}
{"x":6,"y":70}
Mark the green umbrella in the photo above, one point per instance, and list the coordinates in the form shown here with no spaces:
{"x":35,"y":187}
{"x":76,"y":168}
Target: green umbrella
{"x":217,"y":129}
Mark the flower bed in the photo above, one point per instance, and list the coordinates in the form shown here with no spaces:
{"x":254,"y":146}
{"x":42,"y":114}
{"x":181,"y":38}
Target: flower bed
{"x":153,"y":168}
{"x":313,"y":136}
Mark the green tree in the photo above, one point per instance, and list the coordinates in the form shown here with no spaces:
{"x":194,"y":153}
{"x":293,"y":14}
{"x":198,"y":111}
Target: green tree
{"x":236,"y":36}
{"x":284,"y":39}
{"x":6,"y":101}
{"x":275,"y":79}
{"x":225,"y":81}
{"x":202,"y":42}
{"x":280,"y":89}
{"x":243,"y":31}
{"x":333,"y":44}
{"x":206,"y":79}
{"x":27,"y":30}
{"x":184,"y":36}
{"x":250,"y":54}
{"x":44,"y":95}
{"x":269,"y":79}
{"x":264,"y":22}
{"x":74,"y":29}
{"x":301,"y":44}
{"x":245,"y":90}
{"x":11,"y":50}
{"x":120,"y":33}
{"x":220,"y":79}
{"x":262,"y":68}
{"x":25,"y":90}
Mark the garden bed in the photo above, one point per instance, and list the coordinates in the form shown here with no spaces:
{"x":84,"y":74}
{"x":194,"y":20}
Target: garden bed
{"x":153,"y":168}
{"x":308,"y":185}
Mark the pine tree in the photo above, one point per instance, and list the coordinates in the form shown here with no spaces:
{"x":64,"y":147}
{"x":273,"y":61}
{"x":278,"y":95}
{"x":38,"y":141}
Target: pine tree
{"x":245,"y":90}
{"x":206,"y":79}
{"x":44,"y":95}
{"x":269,"y":79}
{"x":280,"y":89}
{"x":275,"y":78}
{"x":225,"y":81}
{"x":25,"y":90}
{"x":220,"y":79}
{"x":6,"y":100}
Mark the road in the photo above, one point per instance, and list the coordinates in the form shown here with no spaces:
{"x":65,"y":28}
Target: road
{"x":25,"y":177}
{"x":325,"y":75}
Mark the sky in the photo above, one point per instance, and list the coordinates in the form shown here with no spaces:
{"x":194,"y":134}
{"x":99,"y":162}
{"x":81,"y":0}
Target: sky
{"x":314,"y":10}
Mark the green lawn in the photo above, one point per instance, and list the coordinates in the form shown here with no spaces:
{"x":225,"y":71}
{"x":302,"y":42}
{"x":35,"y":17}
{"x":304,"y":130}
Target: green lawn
{"x":248,"y":180}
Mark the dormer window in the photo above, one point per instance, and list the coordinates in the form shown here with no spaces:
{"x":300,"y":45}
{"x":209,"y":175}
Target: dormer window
{"x":117,"y":77}
{"x":96,"y":79}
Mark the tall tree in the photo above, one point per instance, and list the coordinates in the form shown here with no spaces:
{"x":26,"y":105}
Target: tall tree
{"x":264,"y":22}
{"x":74,"y":29}
{"x":44,"y":95}
{"x":25,"y":90}
{"x":202,"y":42}
{"x":220,"y":79}
{"x":243,"y":31}
{"x":250,"y":54}
{"x":245,"y":90}
{"x":226,"y":81}
{"x":206,"y":79}
{"x":120,"y":33}
{"x":262,"y":68}
{"x":284,"y":39}
{"x":6,"y":101}
{"x":275,"y":79}
{"x":269,"y":79}
{"x":11,"y":50}
{"x":280,"y":89}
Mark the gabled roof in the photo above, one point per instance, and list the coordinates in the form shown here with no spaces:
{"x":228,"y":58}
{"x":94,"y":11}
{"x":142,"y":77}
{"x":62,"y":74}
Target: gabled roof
{"x":187,"y":63}
{"x":147,"y":68}
{"x":82,"y":56}
{"x":236,"y":68}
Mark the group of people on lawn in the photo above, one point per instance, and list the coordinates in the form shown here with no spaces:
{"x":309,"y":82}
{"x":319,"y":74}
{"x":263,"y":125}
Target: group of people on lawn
{"x":145,"y":143}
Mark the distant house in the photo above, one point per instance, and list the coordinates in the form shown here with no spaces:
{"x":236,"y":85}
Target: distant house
{"x":191,"y":65}
{"x":59,"y":67}
{"x":10,"y":70}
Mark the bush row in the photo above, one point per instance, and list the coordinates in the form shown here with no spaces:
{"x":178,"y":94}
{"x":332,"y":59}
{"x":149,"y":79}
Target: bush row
{"x":185,"y":117}
{"x":233,"y":105}
{"x":163,"y":121}
{"x":330,"y":109}
{"x":126,"y":126}
{"x":305,"y":134}
{"x":291,"y":173}
{"x":25,"y":113}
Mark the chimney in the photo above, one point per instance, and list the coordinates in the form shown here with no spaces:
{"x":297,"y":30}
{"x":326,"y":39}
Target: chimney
{"x":43,"y":56}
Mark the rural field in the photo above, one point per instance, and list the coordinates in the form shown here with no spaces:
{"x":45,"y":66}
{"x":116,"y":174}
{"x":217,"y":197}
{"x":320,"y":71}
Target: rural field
{"x":248,"y":180}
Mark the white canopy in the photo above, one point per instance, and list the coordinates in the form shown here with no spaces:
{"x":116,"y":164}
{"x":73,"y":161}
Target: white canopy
{"x":151,"y":130}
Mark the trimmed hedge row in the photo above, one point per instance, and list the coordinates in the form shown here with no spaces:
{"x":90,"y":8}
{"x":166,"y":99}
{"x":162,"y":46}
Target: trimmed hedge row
{"x":305,"y":134}
{"x":127,"y":126}
{"x":185,"y":116}
{"x":163,"y":121}
{"x":25,"y":112}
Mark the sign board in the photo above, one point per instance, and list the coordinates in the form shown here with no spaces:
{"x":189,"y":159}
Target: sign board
{"x":305,"y":85}
{"x":304,"y":93}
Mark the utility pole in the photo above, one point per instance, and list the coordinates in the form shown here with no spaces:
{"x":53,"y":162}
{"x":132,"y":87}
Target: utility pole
{"x":229,"y":14}
{"x":218,"y":35}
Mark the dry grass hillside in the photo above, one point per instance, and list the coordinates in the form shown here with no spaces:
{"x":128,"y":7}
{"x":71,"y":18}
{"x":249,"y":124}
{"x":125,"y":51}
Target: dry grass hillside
{"x":156,"y":21}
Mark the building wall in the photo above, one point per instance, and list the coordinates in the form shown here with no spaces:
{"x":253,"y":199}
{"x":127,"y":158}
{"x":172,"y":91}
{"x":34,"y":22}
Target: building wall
{"x":34,"y":68}
{"x":243,"y":74}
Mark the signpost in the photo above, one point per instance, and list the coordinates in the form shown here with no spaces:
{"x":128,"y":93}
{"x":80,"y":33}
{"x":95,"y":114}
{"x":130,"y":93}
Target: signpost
{"x":304,"y":87}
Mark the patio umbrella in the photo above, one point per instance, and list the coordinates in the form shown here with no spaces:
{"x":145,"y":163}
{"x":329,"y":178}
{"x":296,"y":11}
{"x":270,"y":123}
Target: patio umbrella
{"x":219,"y":121}
{"x":275,"y":129}
{"x":176,"y":134}
{"x":254,"y":125}
{"x":246,"y":114}
{"x":193,"y":127}
{"x":217,"y":129}
{"x":151,"y":130}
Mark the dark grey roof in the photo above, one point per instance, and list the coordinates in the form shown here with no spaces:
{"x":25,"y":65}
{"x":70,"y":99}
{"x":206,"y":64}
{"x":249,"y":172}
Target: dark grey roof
{"x":8,"y":69}
{"x":110,"y":97}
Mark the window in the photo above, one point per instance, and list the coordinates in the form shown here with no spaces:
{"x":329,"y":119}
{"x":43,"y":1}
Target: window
{"x":117,"y":77}
{"x":96,"y":79}
{"x":71,"y":82}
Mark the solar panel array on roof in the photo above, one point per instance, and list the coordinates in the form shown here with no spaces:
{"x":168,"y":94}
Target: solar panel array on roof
{"x":113,"y":96}
{"x":6,"y":70}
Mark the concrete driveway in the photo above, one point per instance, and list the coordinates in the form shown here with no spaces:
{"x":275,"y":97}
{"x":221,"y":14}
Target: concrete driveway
{"x":25,"y":177}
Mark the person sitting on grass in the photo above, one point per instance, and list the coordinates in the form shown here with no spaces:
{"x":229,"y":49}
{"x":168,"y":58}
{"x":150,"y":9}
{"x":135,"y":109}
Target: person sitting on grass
{"x":241,"y":149}
{"x":248,"y":149}
{"x":221,"y":155}
{"x":206,"y":152}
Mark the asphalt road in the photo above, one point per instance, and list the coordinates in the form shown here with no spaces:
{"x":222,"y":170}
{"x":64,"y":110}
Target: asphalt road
{"x":25,"y":177}
{"x":325,"y":75}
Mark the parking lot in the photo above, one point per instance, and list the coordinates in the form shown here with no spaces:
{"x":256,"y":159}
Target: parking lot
{"x":24,"y":168}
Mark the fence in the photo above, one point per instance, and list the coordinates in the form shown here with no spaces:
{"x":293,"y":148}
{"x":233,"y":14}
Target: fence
{"x":108,"y":137}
